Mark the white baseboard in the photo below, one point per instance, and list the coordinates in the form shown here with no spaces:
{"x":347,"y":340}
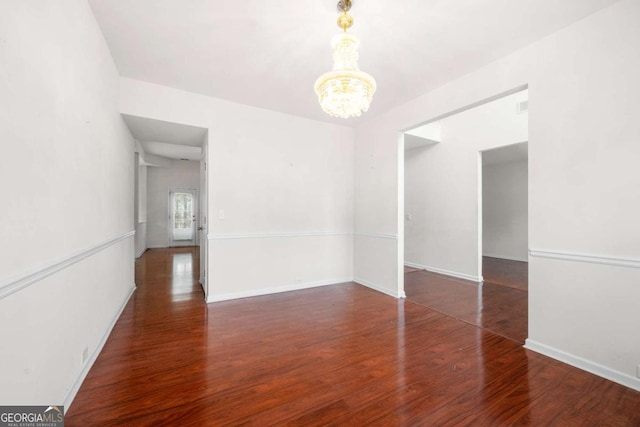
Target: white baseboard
{"x":138,"y":255}
{"x":508,"y":257}
{"x":379,"y":288}
{"x":585,"y":365}
{"x":274,"y":290}
{"x":71,"y":394}
{"x":443,"y":271}
{"x":413,"y":265}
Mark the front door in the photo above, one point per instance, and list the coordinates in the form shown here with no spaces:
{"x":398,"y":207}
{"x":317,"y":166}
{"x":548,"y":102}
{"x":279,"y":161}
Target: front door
{"x":182,"y":217}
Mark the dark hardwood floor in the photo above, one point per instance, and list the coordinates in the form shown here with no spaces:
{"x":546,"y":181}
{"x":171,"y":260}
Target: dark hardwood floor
{"x":340,"y":355}
{"x":513,"y":274}
{"x":500,"y":304}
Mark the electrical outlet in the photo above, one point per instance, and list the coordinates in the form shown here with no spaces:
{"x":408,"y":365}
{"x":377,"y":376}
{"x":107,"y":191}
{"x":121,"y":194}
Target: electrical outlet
{"x":298,"y":281}
{"x":84,"y":356}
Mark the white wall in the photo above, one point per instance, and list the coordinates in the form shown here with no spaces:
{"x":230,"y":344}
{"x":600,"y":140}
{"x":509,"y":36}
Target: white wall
{"x":504,"y":210}
{"x":180,"y":174}
{"x":441,"y":186}
{"x":584,"y":186}
{"x":67,"y":224}
{"x":280,"y":191}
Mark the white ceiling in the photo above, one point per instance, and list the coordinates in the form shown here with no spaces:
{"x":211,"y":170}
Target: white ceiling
{"x":144,"y":129}
{"x":172,"y":140}
{"x":269,"y":53}
{"x":173,"y":151}
{"x":506,"y":154}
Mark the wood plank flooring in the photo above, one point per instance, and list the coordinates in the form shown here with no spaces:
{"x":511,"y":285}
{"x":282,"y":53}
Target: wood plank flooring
{"x":340,"y":355}
{"x":513,"y":274}
{"x":500,"y":304}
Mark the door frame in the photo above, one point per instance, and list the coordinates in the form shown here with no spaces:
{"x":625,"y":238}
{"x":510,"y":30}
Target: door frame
{"x":202,"y":218}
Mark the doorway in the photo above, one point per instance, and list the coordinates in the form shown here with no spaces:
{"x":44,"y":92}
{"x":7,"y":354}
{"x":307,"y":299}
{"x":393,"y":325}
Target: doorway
{"x":505,"y":219}
{"x":182,"y":216}
{"x":443,"y":214}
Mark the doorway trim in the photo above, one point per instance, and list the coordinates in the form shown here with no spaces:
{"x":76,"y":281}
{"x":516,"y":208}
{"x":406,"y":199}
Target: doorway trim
{"x":480,"y":208}
{"x":401,"y":184}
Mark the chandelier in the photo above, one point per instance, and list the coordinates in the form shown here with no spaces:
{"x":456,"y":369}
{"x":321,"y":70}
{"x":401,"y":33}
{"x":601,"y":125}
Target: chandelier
{"x":345,"y":91}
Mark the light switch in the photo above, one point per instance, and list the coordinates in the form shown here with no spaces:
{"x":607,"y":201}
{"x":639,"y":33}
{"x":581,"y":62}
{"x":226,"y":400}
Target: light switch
{"x":221,"y":214}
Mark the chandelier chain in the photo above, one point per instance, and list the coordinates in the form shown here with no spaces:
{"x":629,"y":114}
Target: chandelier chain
{"x":344,"y":5}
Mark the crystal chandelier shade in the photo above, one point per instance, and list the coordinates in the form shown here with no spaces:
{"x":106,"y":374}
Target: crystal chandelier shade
{"x":345,"y":91}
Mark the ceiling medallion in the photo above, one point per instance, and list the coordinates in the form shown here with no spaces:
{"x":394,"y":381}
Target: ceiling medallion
{"x":345,"y":91}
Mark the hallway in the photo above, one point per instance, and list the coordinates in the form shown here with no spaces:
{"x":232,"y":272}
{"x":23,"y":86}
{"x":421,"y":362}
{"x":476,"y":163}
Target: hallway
{"x":338,"y":355}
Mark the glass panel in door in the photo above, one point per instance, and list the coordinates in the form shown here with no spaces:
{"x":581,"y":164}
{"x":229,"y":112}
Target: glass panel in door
{"x":182,"y":217}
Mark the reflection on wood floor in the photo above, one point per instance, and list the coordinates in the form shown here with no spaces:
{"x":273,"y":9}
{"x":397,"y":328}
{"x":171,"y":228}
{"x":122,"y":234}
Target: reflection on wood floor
{"x":499,"y":304}
{"x":341,"y":355}
{"x":505,"y":272}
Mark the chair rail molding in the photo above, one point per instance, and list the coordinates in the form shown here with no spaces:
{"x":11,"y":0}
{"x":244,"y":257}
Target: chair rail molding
{"x":232,"y":236}
{"x":588,"y":258}
{"x":14,"y":284}
{"x":376,"y":235}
